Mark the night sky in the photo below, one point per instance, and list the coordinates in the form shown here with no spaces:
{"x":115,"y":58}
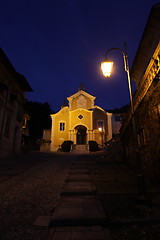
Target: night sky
{"x":59,"y":44}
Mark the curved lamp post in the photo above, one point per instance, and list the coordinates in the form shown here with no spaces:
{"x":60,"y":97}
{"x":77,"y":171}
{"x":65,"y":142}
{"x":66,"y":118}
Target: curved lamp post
{"x":106,"y":67}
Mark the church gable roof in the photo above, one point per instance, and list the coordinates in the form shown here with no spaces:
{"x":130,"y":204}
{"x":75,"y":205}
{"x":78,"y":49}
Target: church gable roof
{"x":81,"y":92}
{"x":81,"y":99}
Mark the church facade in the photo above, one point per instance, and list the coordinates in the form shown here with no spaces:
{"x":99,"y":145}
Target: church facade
{"x":81,"y":121}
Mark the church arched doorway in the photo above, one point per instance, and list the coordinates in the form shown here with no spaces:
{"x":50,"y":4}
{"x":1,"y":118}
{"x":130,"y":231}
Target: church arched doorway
{"x":81,"y":135}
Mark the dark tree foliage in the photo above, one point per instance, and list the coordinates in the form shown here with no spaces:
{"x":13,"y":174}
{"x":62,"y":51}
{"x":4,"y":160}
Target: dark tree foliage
{"x":66,"y":146}
{"x":123,"y":109}
{"x":39,"y":118}
{"x":93,"y":146}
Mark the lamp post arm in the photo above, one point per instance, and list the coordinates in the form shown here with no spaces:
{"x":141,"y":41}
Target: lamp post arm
{"x":126,"y":68}
{"x":125,"y":57}
{"x":114,"y":49}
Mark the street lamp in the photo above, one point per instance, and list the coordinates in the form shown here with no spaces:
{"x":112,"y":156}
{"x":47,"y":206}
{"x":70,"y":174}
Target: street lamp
{"x":100,"y":129}
{"x":106,"y":67}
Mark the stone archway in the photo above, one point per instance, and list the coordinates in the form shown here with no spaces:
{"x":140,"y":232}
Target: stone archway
{"x":81,"y":136}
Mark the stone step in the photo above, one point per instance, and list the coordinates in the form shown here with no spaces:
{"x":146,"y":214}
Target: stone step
{"x":78,"y":177}
{"x":79,"y":233}
{"x":82,"y":162}
{"x":79,"y":171}
{"x":78,"y":211}
{"x":80,"y":149}
{"x":78,"y":188}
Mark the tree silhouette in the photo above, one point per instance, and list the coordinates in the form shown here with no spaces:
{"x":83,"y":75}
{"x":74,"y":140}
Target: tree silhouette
{"x":39,"y":118}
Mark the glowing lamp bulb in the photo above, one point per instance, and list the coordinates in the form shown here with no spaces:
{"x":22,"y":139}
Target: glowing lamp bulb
{"x":106,"y":68}
{"x":100,"y":129}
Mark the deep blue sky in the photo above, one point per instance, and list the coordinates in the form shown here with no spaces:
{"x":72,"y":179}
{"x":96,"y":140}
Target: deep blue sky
{"x":58,"y":44}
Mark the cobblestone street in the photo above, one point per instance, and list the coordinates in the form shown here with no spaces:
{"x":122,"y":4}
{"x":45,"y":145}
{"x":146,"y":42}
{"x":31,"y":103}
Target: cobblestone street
{"x":37,"y":189}
{"x":30,"y":186}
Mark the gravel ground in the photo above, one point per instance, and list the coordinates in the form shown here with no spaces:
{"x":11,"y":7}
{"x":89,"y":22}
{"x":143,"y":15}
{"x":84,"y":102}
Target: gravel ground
{"x":30,"y":189}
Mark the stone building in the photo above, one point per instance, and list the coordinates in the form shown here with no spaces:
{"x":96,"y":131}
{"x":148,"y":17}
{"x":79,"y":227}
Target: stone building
{"x":12,"y":115}
{"x":116,"y":123}
{"x":80,"y":122}
{"x":146,"y":73}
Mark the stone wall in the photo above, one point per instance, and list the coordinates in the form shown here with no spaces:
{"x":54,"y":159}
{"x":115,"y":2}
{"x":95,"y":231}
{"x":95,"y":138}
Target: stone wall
{"x":147,"y":116}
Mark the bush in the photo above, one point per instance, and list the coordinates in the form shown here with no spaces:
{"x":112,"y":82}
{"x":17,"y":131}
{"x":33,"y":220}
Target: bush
{"x":66,"y":146}
{"x":93,"y":146}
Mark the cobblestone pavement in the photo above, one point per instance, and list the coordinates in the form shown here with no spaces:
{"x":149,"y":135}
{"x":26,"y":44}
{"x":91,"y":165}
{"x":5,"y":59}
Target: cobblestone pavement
{"x":30,"y":187}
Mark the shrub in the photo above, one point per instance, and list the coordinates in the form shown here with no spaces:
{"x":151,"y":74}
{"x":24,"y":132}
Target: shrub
{"x":93,"y":146}
{"x":66,"y":146}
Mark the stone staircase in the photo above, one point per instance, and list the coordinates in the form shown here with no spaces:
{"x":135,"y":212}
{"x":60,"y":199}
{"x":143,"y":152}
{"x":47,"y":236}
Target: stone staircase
{"x":80,"y":148}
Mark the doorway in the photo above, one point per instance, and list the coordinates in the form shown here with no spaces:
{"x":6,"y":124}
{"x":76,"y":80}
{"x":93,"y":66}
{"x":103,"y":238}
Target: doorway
{"x":81,"y":135}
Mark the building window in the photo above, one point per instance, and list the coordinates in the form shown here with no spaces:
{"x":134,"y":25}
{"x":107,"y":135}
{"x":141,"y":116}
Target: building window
{"x":100,"y":125}
{"x":7,"y":127}
{"x":118,"y":118}
{"x":62,"y":126}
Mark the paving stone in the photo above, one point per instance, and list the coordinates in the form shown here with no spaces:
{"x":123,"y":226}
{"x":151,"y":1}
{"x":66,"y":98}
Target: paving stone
{"x":87,"y":163}
{"x":80,"y":166}
{"x":104,"y":187}
{"x":81,"y":188}
{"x":76,"y":211}
{"x":3,"y":178}
{"x":79,"y":233}
{"x":42,"y":221}
{"x":78,"y":177}
{"x":79,"y":170}
{"x":84,"y":162}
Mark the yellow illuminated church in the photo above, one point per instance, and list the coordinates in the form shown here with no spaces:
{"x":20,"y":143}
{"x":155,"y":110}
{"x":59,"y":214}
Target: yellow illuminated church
{"x":81,"y":121}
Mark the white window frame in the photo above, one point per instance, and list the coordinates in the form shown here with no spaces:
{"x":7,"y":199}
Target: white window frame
{"x":62,"y":126}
